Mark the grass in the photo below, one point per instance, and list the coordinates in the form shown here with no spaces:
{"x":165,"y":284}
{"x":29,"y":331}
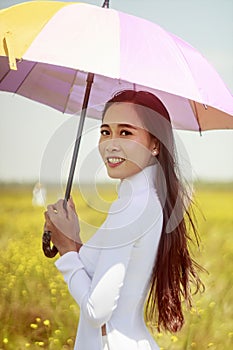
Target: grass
{"x":36,"y":310}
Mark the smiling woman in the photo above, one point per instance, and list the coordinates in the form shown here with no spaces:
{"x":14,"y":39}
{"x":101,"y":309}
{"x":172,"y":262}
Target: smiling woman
{"x":145,"y":232}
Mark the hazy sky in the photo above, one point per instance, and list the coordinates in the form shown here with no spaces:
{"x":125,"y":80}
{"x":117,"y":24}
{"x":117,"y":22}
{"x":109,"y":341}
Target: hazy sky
{"x":27,"y":127}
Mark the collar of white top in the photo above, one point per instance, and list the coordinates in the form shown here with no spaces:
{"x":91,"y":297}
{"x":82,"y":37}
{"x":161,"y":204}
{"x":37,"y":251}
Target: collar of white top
{"x":140,"y":182}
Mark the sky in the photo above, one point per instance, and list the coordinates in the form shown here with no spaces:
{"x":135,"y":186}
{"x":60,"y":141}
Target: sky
{"x":27,"y":128}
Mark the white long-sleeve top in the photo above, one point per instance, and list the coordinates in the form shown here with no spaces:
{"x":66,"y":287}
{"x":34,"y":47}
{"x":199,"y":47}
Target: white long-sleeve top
{"x":109,"y":277}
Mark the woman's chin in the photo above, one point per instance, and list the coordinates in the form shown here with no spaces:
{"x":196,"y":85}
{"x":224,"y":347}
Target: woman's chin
{"x":122,"y":171}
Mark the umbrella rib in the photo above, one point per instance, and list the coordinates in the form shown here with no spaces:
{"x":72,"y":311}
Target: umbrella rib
{"x":106,"y":4}
{"x":68,"y":96}
{"x":4,"y":76}
{"x":186,"y":61}
{"x":31,"y":69}
{"x":197,"y":117}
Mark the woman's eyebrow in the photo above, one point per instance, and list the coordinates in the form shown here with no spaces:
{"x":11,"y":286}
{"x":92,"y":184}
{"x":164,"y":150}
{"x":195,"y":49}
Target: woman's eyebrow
{"x":104,"y":126}
{"x":121,"y":126}
{"x":131,"y":126}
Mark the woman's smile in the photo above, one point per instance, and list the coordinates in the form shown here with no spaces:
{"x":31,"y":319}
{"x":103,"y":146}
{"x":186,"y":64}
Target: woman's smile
{"x":114,"y":161}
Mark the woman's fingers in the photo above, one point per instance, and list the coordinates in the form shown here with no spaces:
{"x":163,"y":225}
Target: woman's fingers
{"x":56,"y":206}
{"x":59,"y":208}
{"x":71,"y":203}
{"x":55,"y":210}
{"x":62,"y":220}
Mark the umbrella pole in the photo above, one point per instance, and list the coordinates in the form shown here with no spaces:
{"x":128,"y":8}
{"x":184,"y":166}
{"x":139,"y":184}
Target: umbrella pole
{"x":106,"y":4}
{"x":51,"y":251}
{"x":90,"y":78}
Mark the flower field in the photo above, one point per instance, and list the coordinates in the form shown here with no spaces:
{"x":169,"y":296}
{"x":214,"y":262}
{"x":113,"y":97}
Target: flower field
{"x":36,"y":310}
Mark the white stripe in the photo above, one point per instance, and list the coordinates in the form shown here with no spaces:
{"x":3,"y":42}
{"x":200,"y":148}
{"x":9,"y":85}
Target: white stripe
{"x":80,"y":36}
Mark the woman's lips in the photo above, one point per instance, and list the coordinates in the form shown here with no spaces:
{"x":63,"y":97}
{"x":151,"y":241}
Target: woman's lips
{"x":114,"y":161}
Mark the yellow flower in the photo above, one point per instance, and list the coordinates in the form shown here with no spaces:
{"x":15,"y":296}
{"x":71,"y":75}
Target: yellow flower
{"x":159,"y":335}
{"x":33,"y":326}
{"x":24,"y":293}
{"x":70,"y":342}
{"x":52,"y":285}
{"x":46,"y":323}
{"x":193,"y":311}
{"x":57,"y":332}
{"x":212,"y":304}
{"x":5,"y":340}
{"x":40,"y":343}
{"x":174,"y":338}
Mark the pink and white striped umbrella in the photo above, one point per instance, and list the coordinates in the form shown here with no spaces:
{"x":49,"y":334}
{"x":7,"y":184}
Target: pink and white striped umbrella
{"x":54,"y":49}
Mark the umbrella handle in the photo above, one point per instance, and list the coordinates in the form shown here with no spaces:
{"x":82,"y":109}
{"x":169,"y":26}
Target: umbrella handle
{"x":49,"y":251}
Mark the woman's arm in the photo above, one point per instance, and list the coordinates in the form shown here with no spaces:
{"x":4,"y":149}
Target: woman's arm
{"x":97,"y":297}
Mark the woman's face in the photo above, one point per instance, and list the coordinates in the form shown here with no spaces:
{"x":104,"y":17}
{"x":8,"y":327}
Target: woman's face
{"x":124,"y":144}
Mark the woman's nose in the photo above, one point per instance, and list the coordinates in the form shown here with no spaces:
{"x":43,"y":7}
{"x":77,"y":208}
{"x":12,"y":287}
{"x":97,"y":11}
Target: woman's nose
{"x":113,"y":145}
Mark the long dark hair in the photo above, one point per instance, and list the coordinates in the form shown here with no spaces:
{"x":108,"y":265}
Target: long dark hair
{"x":174,"y":269}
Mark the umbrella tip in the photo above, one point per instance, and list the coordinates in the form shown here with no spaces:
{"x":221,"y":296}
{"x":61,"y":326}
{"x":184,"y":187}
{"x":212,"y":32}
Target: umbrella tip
{"x":106,"y":4}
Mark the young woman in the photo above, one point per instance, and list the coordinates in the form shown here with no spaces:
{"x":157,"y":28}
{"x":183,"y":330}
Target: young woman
{"x":140,"y":254}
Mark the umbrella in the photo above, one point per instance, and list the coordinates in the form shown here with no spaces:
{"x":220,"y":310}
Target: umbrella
{"x":71,"y":56}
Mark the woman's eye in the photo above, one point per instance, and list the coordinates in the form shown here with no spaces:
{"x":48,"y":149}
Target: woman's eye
{"x":126,"y":133}
{"x":104,"y":132}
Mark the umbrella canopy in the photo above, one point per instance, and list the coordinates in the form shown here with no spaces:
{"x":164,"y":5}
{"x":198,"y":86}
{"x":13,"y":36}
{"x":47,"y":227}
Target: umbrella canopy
{"x":46,"y":58}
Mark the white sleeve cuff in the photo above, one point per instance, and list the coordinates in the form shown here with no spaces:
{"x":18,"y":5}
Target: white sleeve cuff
{"x":73,"y":270}
{"x":68,"y":264}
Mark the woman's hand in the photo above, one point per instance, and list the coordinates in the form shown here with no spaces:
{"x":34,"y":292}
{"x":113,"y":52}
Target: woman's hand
{"x":64,"y":226}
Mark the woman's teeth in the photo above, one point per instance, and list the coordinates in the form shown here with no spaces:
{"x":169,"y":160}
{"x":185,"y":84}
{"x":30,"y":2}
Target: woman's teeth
{"x":115,"y":160}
